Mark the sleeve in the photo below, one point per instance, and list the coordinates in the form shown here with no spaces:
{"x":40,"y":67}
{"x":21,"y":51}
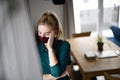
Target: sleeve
{"x":64,"y":60}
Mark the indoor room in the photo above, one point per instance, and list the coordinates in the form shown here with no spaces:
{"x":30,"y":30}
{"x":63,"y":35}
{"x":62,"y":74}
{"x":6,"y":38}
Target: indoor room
{"x":59,"y":40}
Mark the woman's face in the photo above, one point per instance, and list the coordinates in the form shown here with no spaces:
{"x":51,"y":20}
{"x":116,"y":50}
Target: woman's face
{"x":44,"y":30}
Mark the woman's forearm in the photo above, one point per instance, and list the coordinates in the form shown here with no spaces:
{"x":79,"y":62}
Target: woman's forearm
{"x":52,"y":57}
{"x":48,"y":77}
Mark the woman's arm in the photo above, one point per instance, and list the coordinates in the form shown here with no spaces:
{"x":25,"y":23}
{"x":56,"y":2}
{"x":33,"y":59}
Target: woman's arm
{"x":64,"y":59}
{"x":58,"y":66}
{"x":52,"y":58}
{"x":50,"y":77}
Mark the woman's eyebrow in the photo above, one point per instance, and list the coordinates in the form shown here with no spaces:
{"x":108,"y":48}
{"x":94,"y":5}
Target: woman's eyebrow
{"x":47,"y":32}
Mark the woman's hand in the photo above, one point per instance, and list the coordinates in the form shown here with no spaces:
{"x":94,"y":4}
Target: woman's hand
{"x":49,"y":44}
{"x":52,"y":57}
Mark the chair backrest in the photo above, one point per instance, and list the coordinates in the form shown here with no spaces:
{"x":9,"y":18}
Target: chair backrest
{"x":83,"y":34}
{"x":110,"y":77}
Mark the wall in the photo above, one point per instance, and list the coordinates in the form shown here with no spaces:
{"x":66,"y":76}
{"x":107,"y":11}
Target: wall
{"x":17,"y":43}
{"x":38,"y":7}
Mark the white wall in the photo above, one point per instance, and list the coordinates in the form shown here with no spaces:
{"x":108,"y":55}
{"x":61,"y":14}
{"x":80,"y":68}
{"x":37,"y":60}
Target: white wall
{"x":38,"y":7}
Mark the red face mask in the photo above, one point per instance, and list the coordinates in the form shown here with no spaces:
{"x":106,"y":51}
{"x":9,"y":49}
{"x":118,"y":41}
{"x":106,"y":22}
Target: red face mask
{"x":44,"y":39}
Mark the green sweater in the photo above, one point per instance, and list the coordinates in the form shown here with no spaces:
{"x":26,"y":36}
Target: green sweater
{"x":62,"y":52}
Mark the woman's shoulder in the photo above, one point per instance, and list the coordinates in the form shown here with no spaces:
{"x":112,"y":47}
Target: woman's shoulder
{"x":63,"y":43}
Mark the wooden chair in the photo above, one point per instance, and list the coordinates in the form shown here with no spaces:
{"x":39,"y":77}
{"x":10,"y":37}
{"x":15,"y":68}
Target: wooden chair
{"x":110,"y":77}
{"x":83,"y":34}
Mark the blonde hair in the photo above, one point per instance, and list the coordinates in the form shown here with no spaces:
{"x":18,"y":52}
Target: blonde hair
{"x":50,"y":19}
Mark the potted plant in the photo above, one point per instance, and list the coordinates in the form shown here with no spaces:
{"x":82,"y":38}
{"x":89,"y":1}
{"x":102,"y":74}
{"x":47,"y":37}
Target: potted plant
{"x":100,"y":43}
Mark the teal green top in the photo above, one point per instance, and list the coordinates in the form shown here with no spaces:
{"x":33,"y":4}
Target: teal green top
{"x":62,"y":52}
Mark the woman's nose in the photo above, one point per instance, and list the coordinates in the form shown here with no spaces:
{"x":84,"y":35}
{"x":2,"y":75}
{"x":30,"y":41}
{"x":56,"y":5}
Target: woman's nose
{"x":42,"y":35}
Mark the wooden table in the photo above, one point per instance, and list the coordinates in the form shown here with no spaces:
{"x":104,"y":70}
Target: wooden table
{"x":92,"y":68}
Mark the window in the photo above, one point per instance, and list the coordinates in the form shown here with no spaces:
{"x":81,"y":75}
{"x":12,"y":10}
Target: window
{"x":86,"y":14}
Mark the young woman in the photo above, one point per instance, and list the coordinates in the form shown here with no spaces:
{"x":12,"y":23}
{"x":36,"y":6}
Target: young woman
{"x":54,"y":53}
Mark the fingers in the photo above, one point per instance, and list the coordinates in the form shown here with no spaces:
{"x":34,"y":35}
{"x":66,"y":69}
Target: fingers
{"x":50,"y":40}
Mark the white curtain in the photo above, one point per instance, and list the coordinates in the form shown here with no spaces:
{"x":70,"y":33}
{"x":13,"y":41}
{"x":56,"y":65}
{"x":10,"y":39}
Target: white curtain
{"x":18,"y":53}
{"x":69,"y":26}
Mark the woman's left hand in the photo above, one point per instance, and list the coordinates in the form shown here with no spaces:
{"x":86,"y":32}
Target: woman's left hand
{"x":49,"y":44}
